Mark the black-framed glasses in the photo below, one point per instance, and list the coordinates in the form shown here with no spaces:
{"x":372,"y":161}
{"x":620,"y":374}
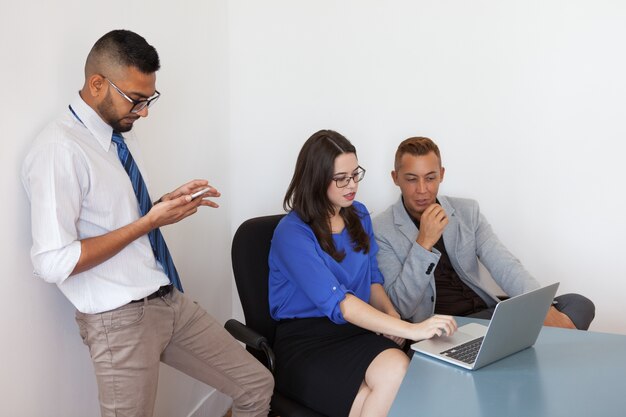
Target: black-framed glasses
{"x":344,"y":180}
{"x":138,"y":105}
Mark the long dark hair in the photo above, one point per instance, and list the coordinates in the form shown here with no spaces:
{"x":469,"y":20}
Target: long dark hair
{"x":307,"y":192}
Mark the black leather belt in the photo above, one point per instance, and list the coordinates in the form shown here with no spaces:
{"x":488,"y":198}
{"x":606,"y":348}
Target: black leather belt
{"x":164,"y":290}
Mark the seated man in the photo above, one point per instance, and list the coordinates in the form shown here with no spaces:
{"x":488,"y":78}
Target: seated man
{"x":430,"y":246}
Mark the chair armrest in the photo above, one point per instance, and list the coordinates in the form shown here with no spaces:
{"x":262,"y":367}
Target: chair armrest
{"x":244,"y":334}
{"x":251,"y":339}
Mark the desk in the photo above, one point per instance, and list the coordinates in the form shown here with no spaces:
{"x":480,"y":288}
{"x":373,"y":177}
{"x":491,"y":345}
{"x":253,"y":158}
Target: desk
{"x":566,"y":373}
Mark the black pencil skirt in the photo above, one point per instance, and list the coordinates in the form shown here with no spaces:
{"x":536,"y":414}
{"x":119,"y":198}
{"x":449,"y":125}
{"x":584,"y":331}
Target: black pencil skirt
{"x":321,"y":364}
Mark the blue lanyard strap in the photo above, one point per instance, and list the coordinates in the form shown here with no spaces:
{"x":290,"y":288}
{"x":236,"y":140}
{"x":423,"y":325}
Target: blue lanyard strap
{"x":75,"y":115}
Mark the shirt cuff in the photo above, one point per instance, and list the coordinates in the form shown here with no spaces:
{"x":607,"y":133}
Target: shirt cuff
{"x":57,"y":266}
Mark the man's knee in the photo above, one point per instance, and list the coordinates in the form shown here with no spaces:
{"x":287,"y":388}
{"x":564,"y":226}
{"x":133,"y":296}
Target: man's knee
{"x":257,"y":390}
{"x":578,"y":308}
{"x":267,"y":384}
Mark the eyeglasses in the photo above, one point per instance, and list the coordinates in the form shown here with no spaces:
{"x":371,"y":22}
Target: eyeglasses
{"x":343,"y":181}
{"x":138,"y":105}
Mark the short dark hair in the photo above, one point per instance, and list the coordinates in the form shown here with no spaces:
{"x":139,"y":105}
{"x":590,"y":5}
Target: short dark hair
{"x":418,"y":146}
{"x":307,"y":193}
{"x":124,"y":48}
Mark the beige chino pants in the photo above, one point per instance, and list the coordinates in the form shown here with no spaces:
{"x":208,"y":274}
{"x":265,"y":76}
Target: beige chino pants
{"x":127,"y":344}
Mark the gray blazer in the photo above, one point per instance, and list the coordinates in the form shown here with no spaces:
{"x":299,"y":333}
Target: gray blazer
{"x":408,"y":267}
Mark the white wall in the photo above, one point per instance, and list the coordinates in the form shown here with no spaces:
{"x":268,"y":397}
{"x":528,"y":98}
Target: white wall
{"x":46,"y":370}
{"x":526,"y":100}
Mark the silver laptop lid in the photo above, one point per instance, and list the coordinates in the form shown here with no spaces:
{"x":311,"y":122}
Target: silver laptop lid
{"x":515,"y":324}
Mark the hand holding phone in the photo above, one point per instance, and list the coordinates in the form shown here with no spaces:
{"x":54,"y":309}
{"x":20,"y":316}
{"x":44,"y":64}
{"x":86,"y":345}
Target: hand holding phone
{"x":201,"y":192}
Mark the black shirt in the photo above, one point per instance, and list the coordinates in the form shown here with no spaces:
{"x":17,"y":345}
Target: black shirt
{"x":454,"y":297}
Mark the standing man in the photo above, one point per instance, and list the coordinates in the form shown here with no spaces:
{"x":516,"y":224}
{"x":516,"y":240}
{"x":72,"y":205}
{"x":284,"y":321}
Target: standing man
{"x":96,"y":235}
{"x":430,"y":245}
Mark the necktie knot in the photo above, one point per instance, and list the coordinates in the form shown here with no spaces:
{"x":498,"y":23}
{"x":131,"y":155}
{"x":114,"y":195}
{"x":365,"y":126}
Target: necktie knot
{"x":118,"y":139}
{"x":127,"y":161}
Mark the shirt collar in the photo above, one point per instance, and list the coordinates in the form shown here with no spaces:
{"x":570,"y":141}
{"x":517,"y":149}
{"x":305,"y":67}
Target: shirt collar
{"x":93,"y":122}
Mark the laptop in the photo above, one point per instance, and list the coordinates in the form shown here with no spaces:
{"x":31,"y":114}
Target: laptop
{"x":514,"y":326}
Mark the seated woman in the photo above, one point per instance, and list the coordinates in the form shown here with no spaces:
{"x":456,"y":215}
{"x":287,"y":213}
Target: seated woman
{"x":338,"y":335}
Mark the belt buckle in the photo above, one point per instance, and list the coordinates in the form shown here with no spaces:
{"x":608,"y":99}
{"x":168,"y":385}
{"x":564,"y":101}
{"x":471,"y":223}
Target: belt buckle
{"x":164,"y":290}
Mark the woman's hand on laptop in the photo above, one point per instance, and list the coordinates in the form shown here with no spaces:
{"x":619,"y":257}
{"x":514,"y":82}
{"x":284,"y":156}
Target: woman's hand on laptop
{"x":437,"y":325}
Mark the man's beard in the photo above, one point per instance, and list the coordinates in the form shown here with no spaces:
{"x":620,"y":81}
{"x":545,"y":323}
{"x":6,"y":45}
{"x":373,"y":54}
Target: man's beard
{"x":107,"y":112}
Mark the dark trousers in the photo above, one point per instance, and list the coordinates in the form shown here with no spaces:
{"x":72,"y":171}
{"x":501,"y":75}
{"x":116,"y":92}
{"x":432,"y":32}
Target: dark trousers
{"x":579,"y":309}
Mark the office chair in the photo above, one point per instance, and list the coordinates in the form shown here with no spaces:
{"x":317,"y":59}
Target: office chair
{"x":250,"y":251}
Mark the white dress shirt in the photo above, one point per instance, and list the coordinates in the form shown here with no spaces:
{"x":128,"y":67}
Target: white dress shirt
{"x":79,"y":189}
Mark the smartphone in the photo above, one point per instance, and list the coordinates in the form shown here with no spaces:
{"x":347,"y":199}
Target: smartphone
{"x":201,"y":192}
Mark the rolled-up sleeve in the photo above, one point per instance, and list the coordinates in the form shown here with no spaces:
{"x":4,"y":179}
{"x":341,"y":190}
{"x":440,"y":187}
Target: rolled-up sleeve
{"x":51,"y":175}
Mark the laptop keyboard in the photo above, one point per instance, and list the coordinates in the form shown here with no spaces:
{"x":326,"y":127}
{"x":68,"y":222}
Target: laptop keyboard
{"x":466,"y":352}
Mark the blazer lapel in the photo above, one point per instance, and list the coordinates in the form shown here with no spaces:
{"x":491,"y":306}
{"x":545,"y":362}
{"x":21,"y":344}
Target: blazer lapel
{"x":403,"y":221}
{"x":451,"y":232}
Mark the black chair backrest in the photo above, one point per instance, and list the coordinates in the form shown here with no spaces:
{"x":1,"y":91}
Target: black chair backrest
{"x":250,"y":251}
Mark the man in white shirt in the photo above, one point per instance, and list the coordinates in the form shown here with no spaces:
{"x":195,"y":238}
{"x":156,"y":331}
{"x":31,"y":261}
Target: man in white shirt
{"x":91,"y":238}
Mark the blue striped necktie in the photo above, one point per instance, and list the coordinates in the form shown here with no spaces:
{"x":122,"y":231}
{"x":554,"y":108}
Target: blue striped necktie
{"x":157,"y":242}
